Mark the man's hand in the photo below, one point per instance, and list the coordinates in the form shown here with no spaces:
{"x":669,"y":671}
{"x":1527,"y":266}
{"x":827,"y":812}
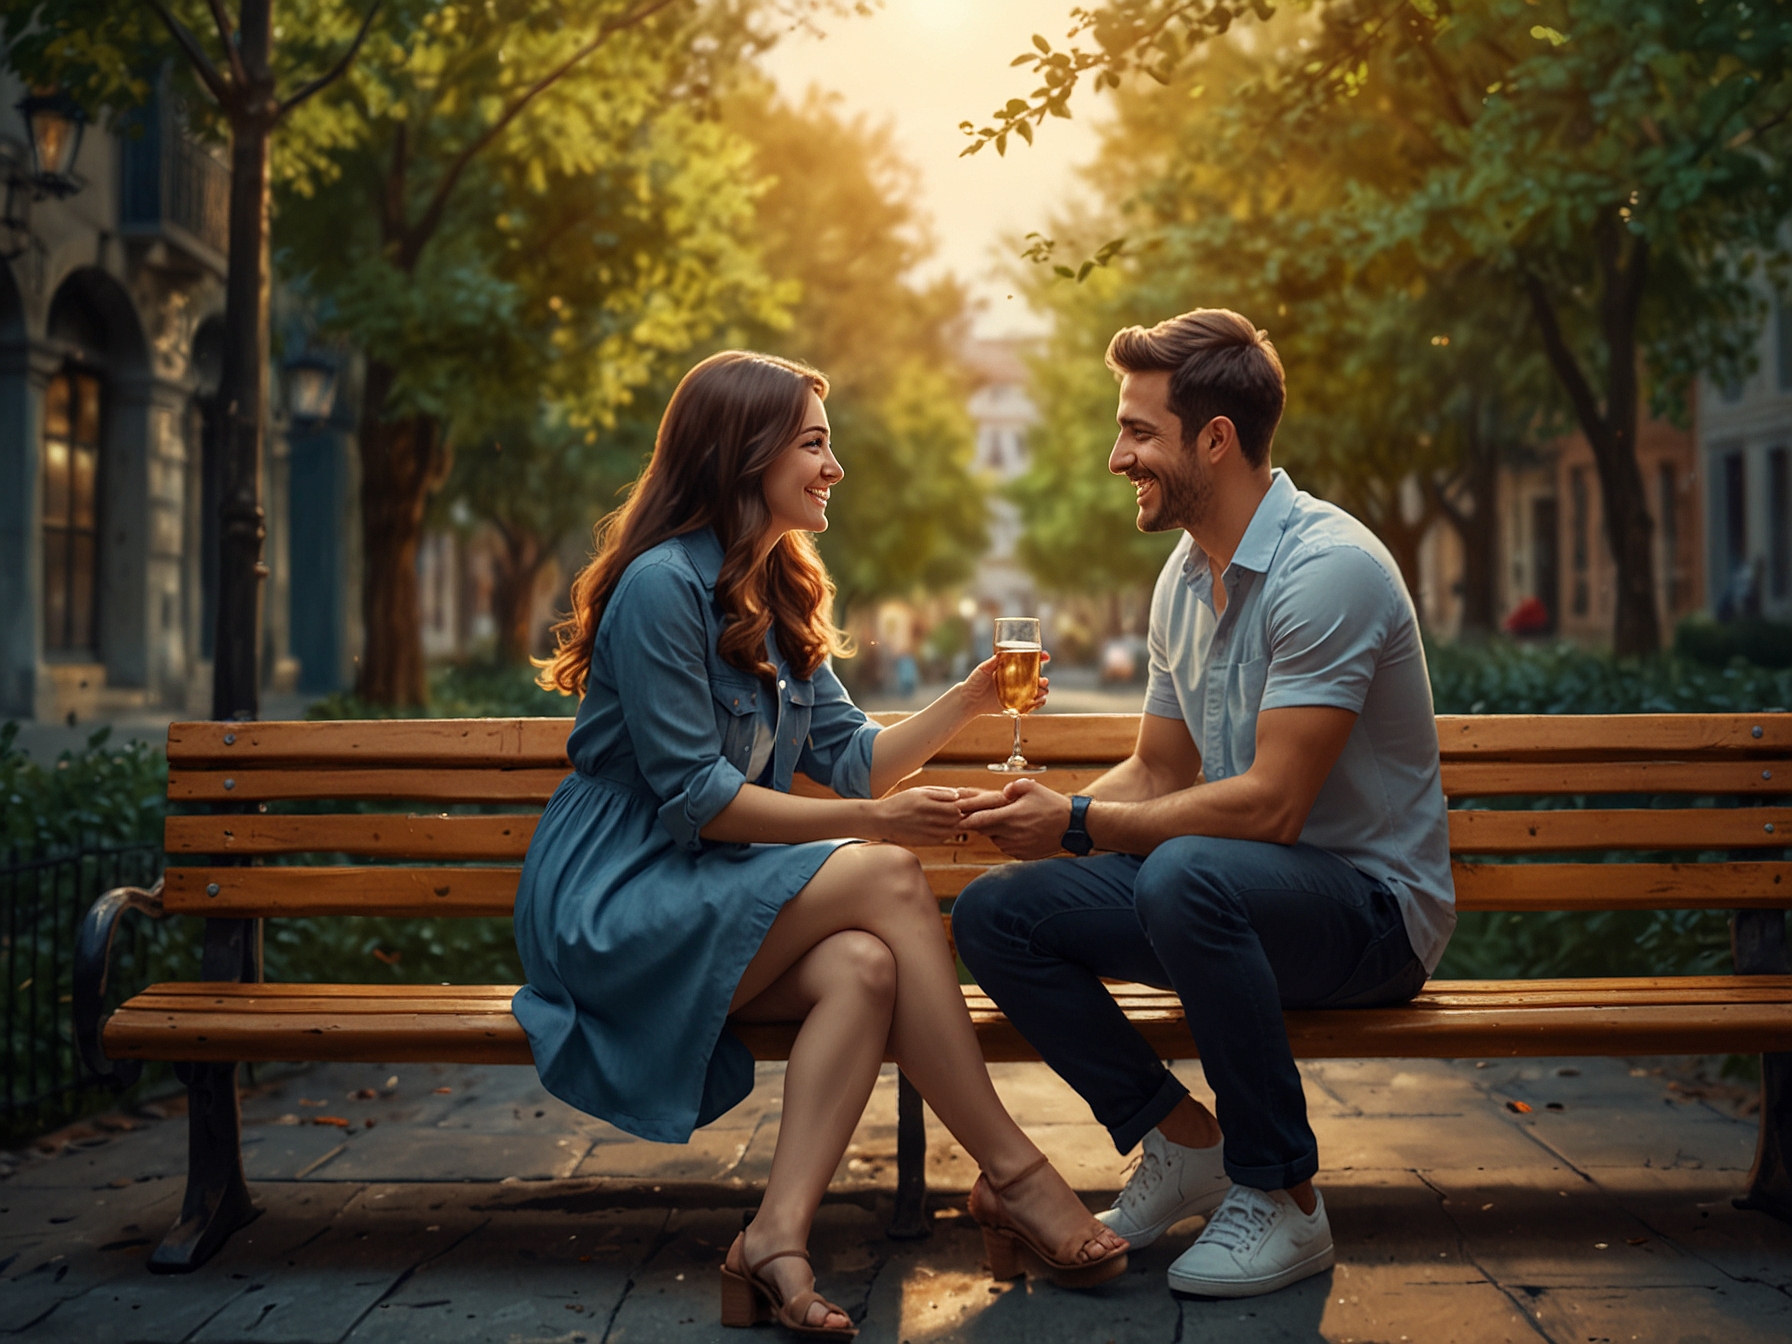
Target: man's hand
{"x":1028,"y":823}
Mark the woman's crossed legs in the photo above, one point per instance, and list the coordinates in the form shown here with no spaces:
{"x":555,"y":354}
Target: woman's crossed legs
{"x":864,"y":942}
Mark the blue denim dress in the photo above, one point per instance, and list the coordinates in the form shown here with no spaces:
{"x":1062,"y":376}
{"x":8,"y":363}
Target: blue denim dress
{"x":634,"y":931}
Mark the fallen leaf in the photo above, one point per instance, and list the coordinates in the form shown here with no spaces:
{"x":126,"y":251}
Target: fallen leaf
{"x":365,"y":1094}
{"x":370,"y":1122}
{"x":442,"y":1090}
{"x":306,"y":1101}
{"x":390,"y":958}
{"x":336,"y":1120}
{"x":1521,"y":1107}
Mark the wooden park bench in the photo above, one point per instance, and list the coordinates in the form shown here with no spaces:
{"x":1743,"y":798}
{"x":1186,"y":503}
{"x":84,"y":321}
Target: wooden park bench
{"x":1639,"y":812}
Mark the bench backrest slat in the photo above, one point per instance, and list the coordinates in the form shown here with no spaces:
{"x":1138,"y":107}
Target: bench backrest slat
{"x":1617,"y":786}
{"x":431,"y":892}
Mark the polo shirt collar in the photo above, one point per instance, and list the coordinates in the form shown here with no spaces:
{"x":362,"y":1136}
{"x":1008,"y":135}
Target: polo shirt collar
{"x":705,"y":550}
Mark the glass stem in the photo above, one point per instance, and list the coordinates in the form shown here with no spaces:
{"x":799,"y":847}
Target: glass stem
{"x":1014,"y":756}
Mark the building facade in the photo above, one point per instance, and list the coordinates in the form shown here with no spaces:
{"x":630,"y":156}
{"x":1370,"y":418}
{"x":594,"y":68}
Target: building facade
{"x":1745,"y":456}
{"x":111,"y":305}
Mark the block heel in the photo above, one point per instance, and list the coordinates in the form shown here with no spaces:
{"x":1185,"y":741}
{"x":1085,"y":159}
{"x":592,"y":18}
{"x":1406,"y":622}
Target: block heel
{"x":1003,"y":1255}
{"x":742,"y":1303}
{"x":1012,"y":1252}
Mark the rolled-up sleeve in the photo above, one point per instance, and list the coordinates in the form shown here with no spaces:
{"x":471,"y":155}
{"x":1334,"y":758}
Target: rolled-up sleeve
{"x":657,"y":643}
{"x":838,"y":752}
{"x":1327,"y":627}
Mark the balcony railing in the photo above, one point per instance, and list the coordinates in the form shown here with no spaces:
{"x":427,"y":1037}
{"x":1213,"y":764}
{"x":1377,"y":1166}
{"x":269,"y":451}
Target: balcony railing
{"x":174,"y":186}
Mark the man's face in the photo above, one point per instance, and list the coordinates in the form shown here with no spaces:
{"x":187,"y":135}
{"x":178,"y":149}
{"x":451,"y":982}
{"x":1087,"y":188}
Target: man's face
{"x":1173,"y":484}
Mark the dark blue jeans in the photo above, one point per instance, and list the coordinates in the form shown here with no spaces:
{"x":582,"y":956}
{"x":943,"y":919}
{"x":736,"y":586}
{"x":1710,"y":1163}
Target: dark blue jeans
{"x":1239,"y":929}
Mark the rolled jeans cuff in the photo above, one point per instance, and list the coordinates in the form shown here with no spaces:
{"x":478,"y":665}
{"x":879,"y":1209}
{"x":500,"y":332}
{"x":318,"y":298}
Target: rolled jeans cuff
{"x":1278,"y":1176}
{"x":1129,"y":1133}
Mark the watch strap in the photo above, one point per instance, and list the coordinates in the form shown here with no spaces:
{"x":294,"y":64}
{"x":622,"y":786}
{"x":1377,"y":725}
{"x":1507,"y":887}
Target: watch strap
{"x":1076,"y":838}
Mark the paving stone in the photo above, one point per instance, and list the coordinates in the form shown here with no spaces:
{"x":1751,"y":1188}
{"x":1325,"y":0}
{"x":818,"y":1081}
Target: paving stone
{"x":1524,"y":1228}
{"x":520,"y":1276}
{"x":1694,"y":1209}
{"x":1735,"y":1313}
{"x":315,"y":1272}
{"x":407,"y":1154}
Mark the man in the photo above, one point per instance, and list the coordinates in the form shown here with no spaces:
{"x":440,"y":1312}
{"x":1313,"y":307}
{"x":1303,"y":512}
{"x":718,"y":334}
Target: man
{"x":1278,"y":838}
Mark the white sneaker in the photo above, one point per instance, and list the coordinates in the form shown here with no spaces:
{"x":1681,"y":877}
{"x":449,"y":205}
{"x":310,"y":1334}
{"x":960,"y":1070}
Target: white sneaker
{"x":1168,"y":1183}
{"x":1257,"y":1242}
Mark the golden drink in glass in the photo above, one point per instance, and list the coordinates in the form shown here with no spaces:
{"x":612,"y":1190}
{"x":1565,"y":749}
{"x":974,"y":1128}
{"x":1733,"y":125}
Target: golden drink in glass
{"x":1018,"y":651}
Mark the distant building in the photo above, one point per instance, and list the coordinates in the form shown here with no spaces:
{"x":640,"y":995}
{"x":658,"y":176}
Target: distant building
{"x":1745,"y":454}
{"x":1004,"y":413}
{"x":1552,"y":545}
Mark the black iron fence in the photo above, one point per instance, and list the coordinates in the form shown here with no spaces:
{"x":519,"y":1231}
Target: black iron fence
{"x":43,"y":897}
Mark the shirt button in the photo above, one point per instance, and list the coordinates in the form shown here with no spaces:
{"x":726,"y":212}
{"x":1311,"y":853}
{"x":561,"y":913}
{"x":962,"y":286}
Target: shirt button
{"x":780,"y":683}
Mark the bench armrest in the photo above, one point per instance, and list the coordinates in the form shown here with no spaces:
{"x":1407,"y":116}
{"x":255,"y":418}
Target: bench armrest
{"x":93,"y":957}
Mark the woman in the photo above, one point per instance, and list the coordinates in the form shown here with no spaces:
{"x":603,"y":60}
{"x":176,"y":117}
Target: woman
{"x":675,"y":883}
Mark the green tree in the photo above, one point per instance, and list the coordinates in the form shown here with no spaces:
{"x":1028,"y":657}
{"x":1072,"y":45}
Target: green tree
{"x":1614,"y":167}
{"x":509,"y":206}
{"x":837,"y":222}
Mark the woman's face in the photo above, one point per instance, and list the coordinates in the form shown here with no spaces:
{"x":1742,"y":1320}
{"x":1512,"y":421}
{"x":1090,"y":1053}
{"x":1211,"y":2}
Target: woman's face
{"x":797,"y":483}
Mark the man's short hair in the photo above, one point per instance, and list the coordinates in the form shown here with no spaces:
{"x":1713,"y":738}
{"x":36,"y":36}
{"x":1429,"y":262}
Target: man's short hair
{"x":1219,"y":364}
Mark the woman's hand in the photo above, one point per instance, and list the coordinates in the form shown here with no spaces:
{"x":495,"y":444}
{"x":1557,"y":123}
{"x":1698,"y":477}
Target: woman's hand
{"x":977,"y":692}
{"x":921,"y":816}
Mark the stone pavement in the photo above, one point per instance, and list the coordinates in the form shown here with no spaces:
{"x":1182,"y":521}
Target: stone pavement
{"x":439,"y":1204}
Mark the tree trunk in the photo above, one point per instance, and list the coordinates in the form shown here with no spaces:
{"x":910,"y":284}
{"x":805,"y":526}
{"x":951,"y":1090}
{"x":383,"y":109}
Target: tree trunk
{"x":402,"y":463}
{"x":242,"y":387}
{"x":1611,"y":429}
{"x":1477,"y":528}
{"x":513,"y":595}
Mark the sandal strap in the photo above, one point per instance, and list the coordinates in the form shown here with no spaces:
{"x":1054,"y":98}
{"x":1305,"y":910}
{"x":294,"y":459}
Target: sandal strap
{"x":753,"y":1269}
{"x":1018,"y":1176}
{"x":796,"y":1311}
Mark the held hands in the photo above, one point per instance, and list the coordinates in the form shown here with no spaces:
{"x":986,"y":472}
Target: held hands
{"x":977,"y":692}
{"x":929,"y":815}
{"x":1026,"y":820}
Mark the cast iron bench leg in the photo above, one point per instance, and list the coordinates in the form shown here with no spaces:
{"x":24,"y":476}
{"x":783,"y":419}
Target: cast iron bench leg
{"x":1758,"y":943}
{"x":217,"y":1201}
{"x":910,"y":1220}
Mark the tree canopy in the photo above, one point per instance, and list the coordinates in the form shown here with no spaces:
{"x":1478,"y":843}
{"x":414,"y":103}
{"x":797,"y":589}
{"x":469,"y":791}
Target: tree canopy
{"x":1593,"y":177}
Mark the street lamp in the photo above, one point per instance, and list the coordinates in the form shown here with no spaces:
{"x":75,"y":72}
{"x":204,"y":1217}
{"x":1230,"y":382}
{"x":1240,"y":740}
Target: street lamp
{"x":310,"y":387}
{"x":56,"y":124}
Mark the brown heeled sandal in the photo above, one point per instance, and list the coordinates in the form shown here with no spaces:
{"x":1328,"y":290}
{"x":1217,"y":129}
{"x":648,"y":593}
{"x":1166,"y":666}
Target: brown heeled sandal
{"x":1012,"y":1251}
{"x":748,"y":1299}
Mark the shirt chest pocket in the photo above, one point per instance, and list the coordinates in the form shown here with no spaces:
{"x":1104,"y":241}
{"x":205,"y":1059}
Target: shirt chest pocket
{"x":1244,"y":694}
{"x":736,"y":698}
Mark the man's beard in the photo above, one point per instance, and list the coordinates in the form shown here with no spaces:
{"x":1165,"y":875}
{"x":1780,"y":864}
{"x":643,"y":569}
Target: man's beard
{"x":1182,"y":500}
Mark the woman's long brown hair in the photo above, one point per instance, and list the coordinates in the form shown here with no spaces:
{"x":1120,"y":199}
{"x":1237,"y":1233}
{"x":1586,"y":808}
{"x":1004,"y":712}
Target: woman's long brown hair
{"x":729,"y":419}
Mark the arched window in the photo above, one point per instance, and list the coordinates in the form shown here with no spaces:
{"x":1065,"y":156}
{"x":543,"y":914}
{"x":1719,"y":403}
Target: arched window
{"x":71,"y":467}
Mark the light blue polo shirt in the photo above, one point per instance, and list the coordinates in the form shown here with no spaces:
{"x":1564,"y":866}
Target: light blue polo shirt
{"x":1316,"y":614}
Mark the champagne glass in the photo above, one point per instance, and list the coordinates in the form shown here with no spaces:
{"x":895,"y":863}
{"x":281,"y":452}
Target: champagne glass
{"x":1017,"y":681}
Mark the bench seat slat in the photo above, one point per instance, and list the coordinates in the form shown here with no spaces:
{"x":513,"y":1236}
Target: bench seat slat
{"x":1656,"y":1015}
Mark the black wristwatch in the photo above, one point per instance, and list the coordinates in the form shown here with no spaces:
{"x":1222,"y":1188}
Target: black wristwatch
{"x":1076,"y":839}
